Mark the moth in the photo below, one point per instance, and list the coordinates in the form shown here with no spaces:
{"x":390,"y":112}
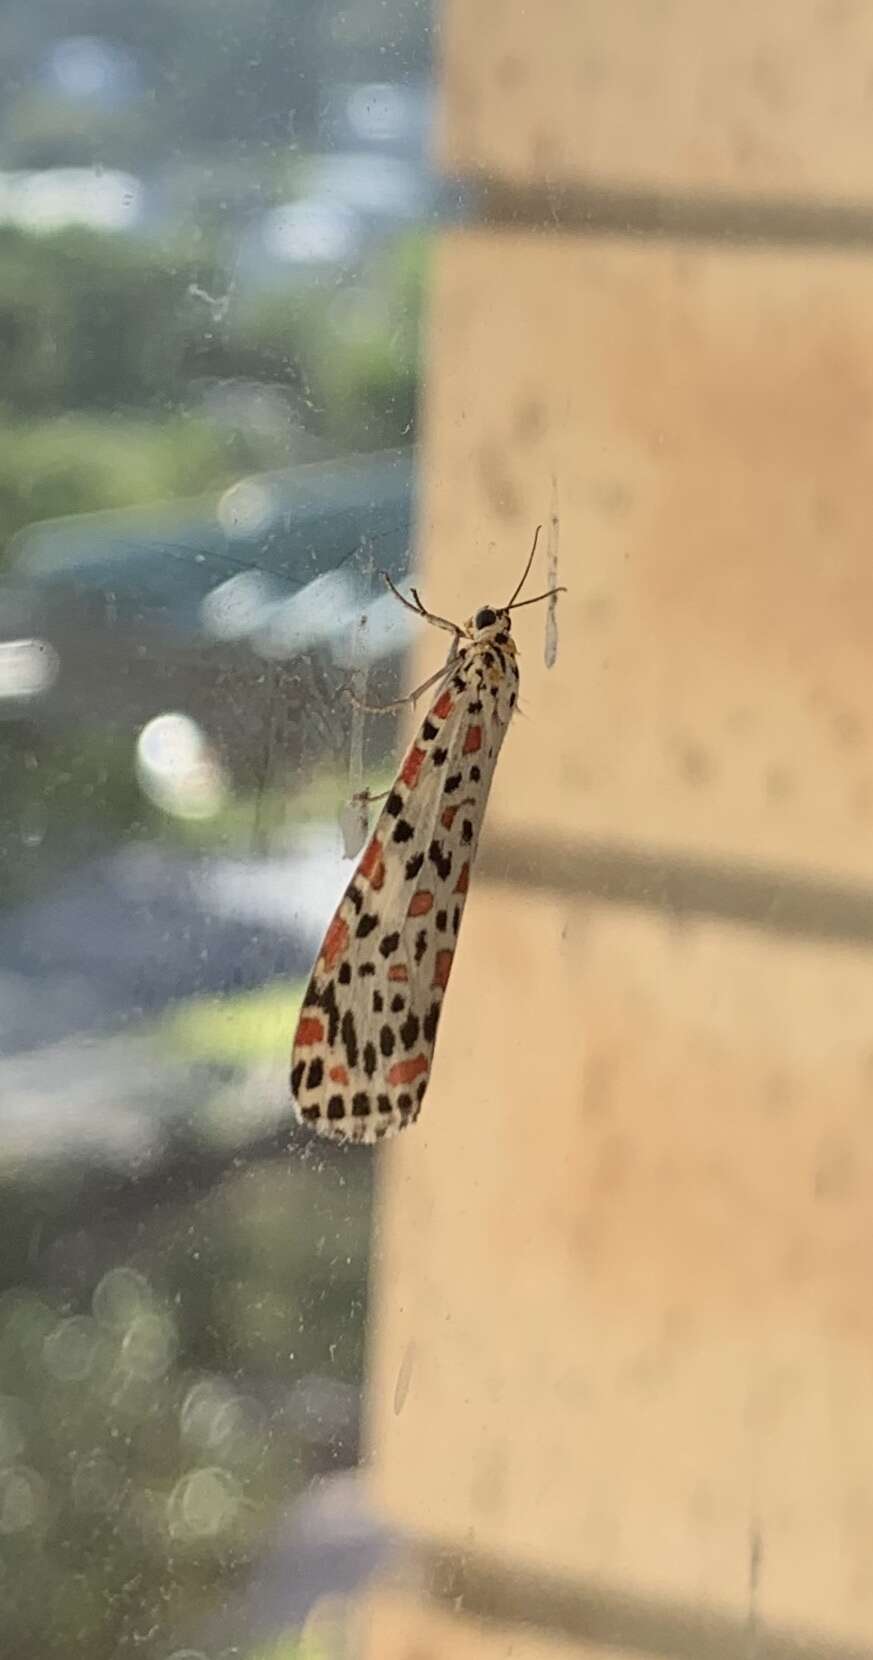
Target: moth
{"x":363,"y":1050}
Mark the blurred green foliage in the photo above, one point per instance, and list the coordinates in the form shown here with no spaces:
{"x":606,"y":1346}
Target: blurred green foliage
{"x":80,"y":463}
{"x":92,"y":321}
{"x":148,"y":1432}
{"x":105,"y":345}
{"x":352,"y":349}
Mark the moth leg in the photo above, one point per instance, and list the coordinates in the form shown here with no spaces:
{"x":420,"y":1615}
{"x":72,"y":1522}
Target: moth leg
{"x":410,"y":698}
{"x":366,"y":797}
{"x":418,"y":609}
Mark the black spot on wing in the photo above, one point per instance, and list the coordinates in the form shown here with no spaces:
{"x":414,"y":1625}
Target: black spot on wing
{"x":429,"y":729}
{"x":413,"y":866}
{"x":386,"y":1041}
{"x":361,"y":1104}
{"x":403,"y":831}
{"x":297,"y":1072}
{"x":366,"y":925}
{"x":329,"y":1004}
{"x":350,"y":1038}
{"x":398,"y":1003}
{"x":420,"y":944}
{"x":452,"y":783}
{"x":388,"y":944}
{"x":441,"y":861}
{"x":394,"y":804}
{"x":344,"y":973}
{"x":431,"y":1022}
{"x":409,"y":1030}
{"x":370,"y":1062}
{"x":439,"y":757}
{"x":316,"y":1073}
{"x":336,"y":1107}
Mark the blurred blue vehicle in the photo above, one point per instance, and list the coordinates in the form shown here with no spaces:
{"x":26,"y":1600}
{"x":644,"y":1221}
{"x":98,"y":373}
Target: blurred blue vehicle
{"x":111,"y":619}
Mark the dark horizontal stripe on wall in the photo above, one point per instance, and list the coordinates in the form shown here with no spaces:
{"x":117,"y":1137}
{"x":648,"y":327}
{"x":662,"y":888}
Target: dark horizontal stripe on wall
{"x":773,"y":900}
{"x":587,"y":1613}
{"x":579,"y":209}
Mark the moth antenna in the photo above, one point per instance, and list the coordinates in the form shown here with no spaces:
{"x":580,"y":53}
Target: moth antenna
{"x":526,"y":571}
{"x":536,"y":598}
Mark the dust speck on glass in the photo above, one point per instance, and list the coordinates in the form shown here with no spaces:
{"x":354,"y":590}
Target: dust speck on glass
{"x":214,"y":230}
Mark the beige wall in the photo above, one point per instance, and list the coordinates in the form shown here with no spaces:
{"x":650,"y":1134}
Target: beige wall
{"x":623,"y":1278}
{"x":708,"y":417}
{"x":679,"y":95}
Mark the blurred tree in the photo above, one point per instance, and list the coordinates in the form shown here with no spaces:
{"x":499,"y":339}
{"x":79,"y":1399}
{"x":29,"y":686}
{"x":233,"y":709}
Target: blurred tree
{"x":88,"y":320}
{"x":148,"y":1433}
{"x":105,"y":323}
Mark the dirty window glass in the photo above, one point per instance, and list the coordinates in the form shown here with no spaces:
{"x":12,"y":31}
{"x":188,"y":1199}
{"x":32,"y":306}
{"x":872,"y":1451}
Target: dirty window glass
{"x":214,"y":224}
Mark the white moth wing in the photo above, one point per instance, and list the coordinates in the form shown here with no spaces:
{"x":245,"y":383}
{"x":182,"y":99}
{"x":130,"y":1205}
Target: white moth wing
{"x":364,"y":1045}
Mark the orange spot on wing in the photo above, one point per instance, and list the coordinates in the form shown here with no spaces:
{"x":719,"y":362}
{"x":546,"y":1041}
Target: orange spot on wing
{"x":335,"y":941}
{"x":473,"y":740}
{"x":372,"y":865}
{"x":412,"y":766}
{"x":442,"y":968}
{"x":405,"y":1072}
{"x":463,"y":881}
{"x":398,"y":971}
{"x":444,"y":705}
{"x":420,"y":903}
{"x":309,"y":1031}
{"x":338,"y":1075}
{"x":447,"y":817}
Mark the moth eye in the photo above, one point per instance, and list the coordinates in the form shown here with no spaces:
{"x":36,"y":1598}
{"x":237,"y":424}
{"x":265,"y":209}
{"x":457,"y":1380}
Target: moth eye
{"x":485,"y":617}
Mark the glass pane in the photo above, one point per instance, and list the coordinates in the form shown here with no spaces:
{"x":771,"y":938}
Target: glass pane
{"x":213,"y":225}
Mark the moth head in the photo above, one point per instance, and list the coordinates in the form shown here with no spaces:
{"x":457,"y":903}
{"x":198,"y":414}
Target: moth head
{"x":488,"y":623}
